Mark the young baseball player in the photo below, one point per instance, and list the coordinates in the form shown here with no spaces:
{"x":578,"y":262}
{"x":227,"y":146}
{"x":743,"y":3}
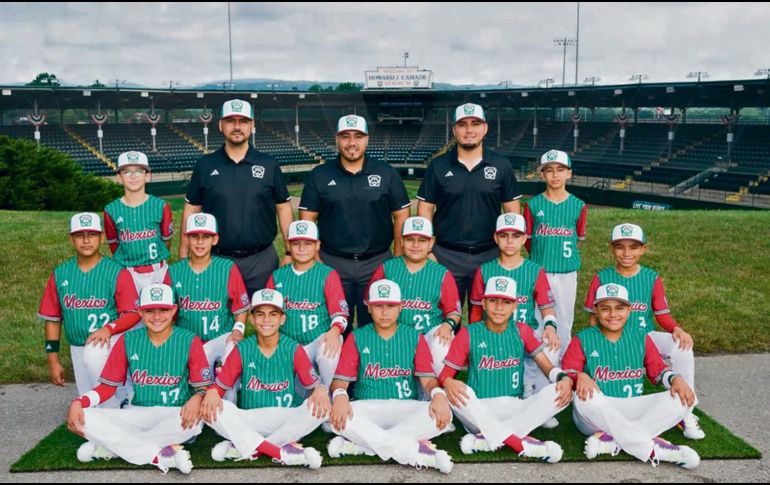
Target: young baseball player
{"x":210,"y":292}
{"x":532,"y":289}
{"x":270,"y":417}
{"x":430,"y":301}
{"x":490,"y":405}
{"x":556,"y":223}
{"x":628,"y":243}
{"x":94,"y":299}
{"x":607,"y":364}
{"x":385,"y":418}
{"x":139,"y":226}
{"x":170,"y":374}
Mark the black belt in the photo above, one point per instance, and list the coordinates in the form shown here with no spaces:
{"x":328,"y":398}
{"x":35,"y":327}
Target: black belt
{"x":466,"y":249}
{"x":240,"y":253}
{"x":353,"y":256}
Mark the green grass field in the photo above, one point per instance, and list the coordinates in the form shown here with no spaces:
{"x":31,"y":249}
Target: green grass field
{"x":713,"y":264}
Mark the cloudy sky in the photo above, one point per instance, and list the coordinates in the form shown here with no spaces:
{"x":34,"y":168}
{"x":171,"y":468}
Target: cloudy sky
{"x":155,"y":43}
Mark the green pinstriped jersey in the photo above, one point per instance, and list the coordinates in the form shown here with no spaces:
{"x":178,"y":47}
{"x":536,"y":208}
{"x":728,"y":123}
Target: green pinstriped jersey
{"x":268,"y":381}
{"x":554,"y":233}
{"x":87,"y":300}
{"x":617,"y":367}
{"x":420,"y":293}
{"x":386,"y":367}
{"x":138,"y":232}
{"x":496,"y":362}
{"x":203,"y":297}
{"x":639,"y":288}
{"x":525,"y":277}
{"x":159,"y":375}
{"x":307,"y":316}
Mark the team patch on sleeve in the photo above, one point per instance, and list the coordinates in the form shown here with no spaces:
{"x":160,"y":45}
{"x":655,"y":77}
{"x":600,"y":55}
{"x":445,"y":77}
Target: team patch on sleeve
{"x":206,"y":375}
{"x":344,"y":305}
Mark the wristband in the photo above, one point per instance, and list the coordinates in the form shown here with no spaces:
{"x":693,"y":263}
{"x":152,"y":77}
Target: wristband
{"x":555,"y":374}
{"x":437,"y":390}
{"x":240,"y":327}
{"x":550,"y":320}
{"x":339,"y":392}
{"x":52,"y":346}
{"x":451,"y":323}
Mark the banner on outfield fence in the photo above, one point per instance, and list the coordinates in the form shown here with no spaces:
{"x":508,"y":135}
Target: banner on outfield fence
{"x":399,"y":78}
{"x":650,"y":206}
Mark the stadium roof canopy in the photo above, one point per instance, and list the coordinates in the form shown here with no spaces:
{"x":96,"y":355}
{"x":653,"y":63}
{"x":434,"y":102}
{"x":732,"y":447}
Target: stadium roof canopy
{"x":736,"y":94}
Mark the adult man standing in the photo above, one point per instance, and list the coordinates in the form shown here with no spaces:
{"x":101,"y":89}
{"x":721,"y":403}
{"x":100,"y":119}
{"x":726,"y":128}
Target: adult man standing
{"x":243,"y":189}
{"x":360,"y":206}
{"x":466,"y":188}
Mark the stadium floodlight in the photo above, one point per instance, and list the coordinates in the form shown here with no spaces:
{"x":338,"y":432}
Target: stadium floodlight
{"x":171,"y":84}
{"x":698,"y":74}
{"x":118,"y":82}
{"x":548,"y":82}
{"x":406,"y":56}
{"x":763,"y":72}
{"x":592,"y":80}
{"x":639,"y":77}
{"x":563,"y":42}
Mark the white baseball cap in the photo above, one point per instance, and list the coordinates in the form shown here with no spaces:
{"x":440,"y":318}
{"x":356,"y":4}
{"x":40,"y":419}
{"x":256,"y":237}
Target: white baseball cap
{"x":85,"y":222}
{"x":501,"y":287}
{"x":555,"y":156}
{"x":469,"y":110}
{"x":417,"y":226}
{"x":267,"y":296}
{"x":612,"y":292}
{"x":201,"y":223}
{"x":511,"y":222}
{"x":156,"y":296}
{"x":384,"y":291}
{"x":237,"y":107}
{"x":132,"y":159}
{"x":628,"y":231}
{"x":352,"y":123}
{"x":303,"y":231}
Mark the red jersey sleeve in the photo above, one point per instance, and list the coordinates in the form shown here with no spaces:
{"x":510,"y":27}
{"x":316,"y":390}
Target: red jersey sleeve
{"x":543,"y":294}
{"x":110,"y":232}
{"x":591,"y":295}
{"x":270,"y":283}
{"x":347,"y":369}
{"x":304,"y":369}
{"x":231,"y":371}
{"x":574,"y":360}
{"x":236,"y":291}
{"x":653,"y":362}
{"x":167,"y":278}
{"x":530,"y":222}
{"x":457,"y":357}
{"x":423,"y":359}
{"x":336,"y":304}
{"x":379,"y":274}
{"x":476,"y":311}
{"x":167,"y":223}
{"x":450,"y":297}
{"x":532,"y":345}
{"x":198,"y":366}
{"x":581,"y":223}
{"x":660,"y":307}
{"x":114,"y":372}
{"x":50,"y":309}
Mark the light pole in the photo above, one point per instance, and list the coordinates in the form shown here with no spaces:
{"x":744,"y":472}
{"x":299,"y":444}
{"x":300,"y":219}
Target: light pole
{"x":698,"y":74}
{"x":639,"y":77}
{"x":577,"y":43}
{"x":171,"y":84}
{"x":592,"y":80}
{"x":406,"y":56}
{"x":563,"y":42}
{"x":230,"y":37}
{"x":548,"y":82}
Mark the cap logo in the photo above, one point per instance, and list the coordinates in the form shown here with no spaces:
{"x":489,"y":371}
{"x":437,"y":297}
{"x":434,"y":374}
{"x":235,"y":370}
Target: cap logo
{"x":626,"y":231}
{"x":552,"y":156}
{"x":418,"y":224}
{"x":200,"y":221}
{"x":383,"y":291}
{"x":612,"y":290}
{"x":510,"y":220}
{"x":156,"y":294}
{"x":351,"y":121}
{"x":85,"y":220}
{"x":132,"y":157}
{"x":301,"y":228}
{"x":268,"y":295}
{"x":501,"y":284}
{"x":236,"y":106}
{"x":469,"y":109}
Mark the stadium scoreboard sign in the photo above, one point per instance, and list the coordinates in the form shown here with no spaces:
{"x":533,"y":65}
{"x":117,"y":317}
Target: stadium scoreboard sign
{"x":399,"y":78}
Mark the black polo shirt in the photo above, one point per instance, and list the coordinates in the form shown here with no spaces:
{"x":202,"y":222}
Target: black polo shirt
{"x":355,"y":210}
{"x":242,"y":196}
{"x":468,"y":203}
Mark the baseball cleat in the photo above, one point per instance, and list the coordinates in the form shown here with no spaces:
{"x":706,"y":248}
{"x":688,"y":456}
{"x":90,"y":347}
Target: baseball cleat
{"x":601,"y":443}
{"x":550,"y":424}
{"x":691,"y":428}
{"x":295,"y":454}
{"x":683,"y":456}
{"x":547,"y":451}
{"x":89,"y":451}
{"x":429,"y":456}
{"x":339,"y":446}
{"x":174,"y":457}
{"x":225,"y":450}
{"x":471,"y":443}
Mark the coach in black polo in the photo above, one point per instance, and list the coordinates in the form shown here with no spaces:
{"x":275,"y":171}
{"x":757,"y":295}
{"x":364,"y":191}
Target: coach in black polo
{"x":360,"y":206}
{"x":243,"y":189}
{"x":466,"y":188}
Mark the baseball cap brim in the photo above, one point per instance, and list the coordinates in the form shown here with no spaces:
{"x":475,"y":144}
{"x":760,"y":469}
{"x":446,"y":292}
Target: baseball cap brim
{"x":352,"y":129}
{"x":498,"y":295}
{"x":238,"y":115}
{"x":509,"y":229}
{"x":266,"y":303}
{"x":302,"y":238}
{"x":420,"y":234}
{"x":628,"y":239}
{"x":156,"y":306}
{"x":622,"y":300}
{"x":543,"y":165}
{"x":126,"y":165}
{"x":77,"y":231}
{"x":201,"y":231}
{"x":470,"y":116}
{"x":383,"y":302}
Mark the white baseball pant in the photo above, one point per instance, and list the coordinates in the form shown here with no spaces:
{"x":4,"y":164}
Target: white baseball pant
{"x":137,"y":434}
{"x":89,"y":363}
{"x":248,"y":428}
{"x":219,"y":349}
{"x":633,"y":422}
{"x":534,"y":379}
{"x":564,"y":289}
{"x":156,"y":276}
{"x":326,"y":366}
{"x":500,"y":417}
{"x":391,"y":428}
{"x":682,"y":361}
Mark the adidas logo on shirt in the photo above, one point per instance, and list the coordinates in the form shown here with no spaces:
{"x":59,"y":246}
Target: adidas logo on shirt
{"x":215,"y":172}
{"x":65,"y":283}
{"x":279,"y":285}
{"x":331,"y":184}
{"x":366,"y":350}
{"x":179,"y":285}
{"x":483,"y":345}
{"x":540,"y":214}
{"x":120,"y":219}
{"x":595,"y":354}
{"x":449,"y":174}
{"x":252,"y":366}
{"x":134,"y":357}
